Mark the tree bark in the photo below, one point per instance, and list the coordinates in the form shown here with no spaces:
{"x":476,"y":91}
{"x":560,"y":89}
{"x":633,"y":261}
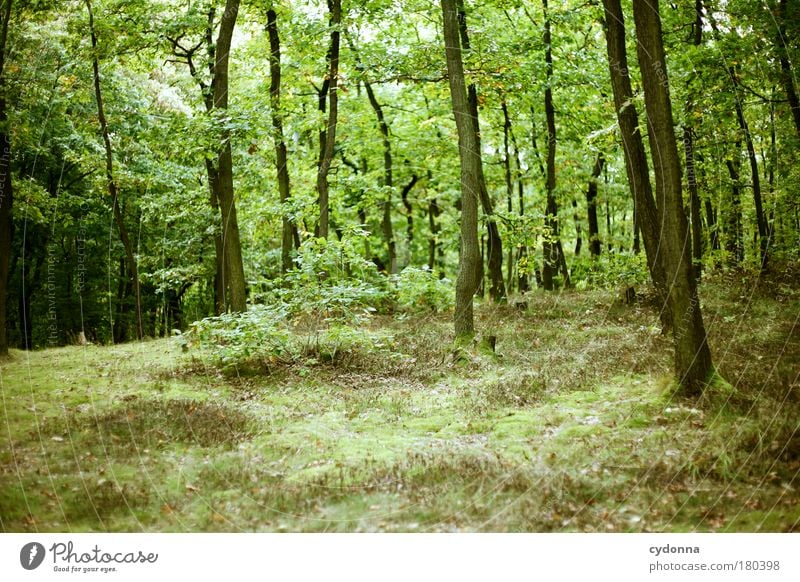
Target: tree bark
{"x":595,"y":244}
{"x":693,"y":365}
{"x":6,"y":189}
{"x":734,"y":237}
{"x":468,"y":264}
{"x":636,"y":165}
{"x":235,"y":285}
{"x":494,"y":249}
{"x":787,"y":75}
{"x":111,"y":183}
{"x":388,"y":182}
{"x":326,"y":153}
{"x":282,"y":168}
{"x":509,"y":188}
{"x":551,"y":247}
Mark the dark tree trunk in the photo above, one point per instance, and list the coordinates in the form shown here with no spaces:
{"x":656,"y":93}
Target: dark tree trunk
{"x":494,"y":252}
{"x":553,"y":253}
{"x":434,"y":244}
{"x":509,"y":189}
{"x":6,"y":190}
{"x":326,"y":153}
{"x":409,"y":213}
{"x":693,"y":365}
{"x":112,"y":185}
{"x":388,"y":182}
{"x":734,"y":237}
{"x":688,"y":146}
{"x":591,"y":205}
{"x":277,"y":132}
{"x":468,"y":267}
{"x":235,"y":285}
{"x":787,"y":75}
{"x":636,"y":165}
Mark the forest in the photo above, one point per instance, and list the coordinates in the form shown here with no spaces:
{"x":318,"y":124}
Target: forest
{"x":399,"y":265}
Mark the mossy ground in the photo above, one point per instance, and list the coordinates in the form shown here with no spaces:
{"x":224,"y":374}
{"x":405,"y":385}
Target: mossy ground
{"x":571,"y":426}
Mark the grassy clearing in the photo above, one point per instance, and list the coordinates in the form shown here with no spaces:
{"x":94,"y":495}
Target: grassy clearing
{"x":572,"y":426}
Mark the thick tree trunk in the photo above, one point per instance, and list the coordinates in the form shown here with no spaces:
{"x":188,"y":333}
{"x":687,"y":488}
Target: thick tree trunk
{"x":693,"y":365}
{"x":468,"y":264}
{"x":235,"y":285}
{"x":388,"y":182}
{"x":494,"y":252}
{"x":553,"y":253}
{"x":591,"y":205}
{"x":277,"y":132}
{"x":636,"y":165}
{"x":6,"y":190}
{"x":326,"y":153}
{"x":112,"y":185}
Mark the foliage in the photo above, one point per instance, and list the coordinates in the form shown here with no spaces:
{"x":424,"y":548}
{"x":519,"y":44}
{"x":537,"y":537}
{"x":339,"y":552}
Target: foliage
{"x":421,"y":290}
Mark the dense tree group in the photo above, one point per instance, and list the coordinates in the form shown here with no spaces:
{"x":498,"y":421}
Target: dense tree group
{"x":162,"y":161}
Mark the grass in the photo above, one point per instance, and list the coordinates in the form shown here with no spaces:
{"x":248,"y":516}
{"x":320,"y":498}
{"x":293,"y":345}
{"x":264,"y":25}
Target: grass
{"x":571,"y":426}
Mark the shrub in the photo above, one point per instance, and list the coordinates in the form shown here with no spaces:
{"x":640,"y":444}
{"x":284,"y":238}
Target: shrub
{"x":421,"y":289}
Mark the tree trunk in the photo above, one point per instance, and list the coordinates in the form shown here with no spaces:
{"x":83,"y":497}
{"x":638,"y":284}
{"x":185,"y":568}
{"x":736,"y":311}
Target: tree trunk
{"x":494,"y":252}
{"x":551,"y":247}
{"x":409,"y":214}
{"x":734,"y":237}
{"x":693,"y":365}
{"x":277,"y":132}
{"x":688,"y":145}
{"x":787,"y":75}
{"x":235,"y":285}
{"x":112,"y":186}
{"x":591,"y":206}
{"x":6,"y":190}
{"x":326,"y":153}
{"x":636,"y":165}
{"x":388,"y":182}
{"x":468,"y":264}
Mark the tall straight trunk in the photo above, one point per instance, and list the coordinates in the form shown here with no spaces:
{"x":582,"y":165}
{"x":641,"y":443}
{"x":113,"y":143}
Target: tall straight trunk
{"x":494,"y":249}
{"x":468,"y":264}
{"x":522,"y":276}
{"x":326,"y":153}
{"x":6,"y":190}
{"x":636,"y":165}
{"x":734,"y":237}
{"x":235,"y":285}
{"x":112,"y":185}
{"x":693,"y":365}
{"x":595,"y":245}
{"x":388,"y":182}
{"x":787,"y":74}
{"x":434,"y":244}
{"x":553,"y":253}
{"x":509,"y":188}
{"x":409,"y":212}
{"x":761,"y":221}
{"x":219,"y":270}
{"x":694,"y":201}
{"x":277,"y":133}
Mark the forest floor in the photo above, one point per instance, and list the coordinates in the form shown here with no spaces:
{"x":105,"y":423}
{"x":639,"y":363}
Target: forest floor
{"x":572,"y":426}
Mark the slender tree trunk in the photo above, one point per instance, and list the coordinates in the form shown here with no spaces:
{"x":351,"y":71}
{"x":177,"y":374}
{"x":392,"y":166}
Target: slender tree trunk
{"x":409,"y":214}
{"x":688,"y":145}
{"x":595,"y":244}
{"x":734,"y":239}
{"x":112,"y":185}
{"x":552,"y":250}
{"x":6,"y":190}
{"x":494,"y":249}
{"x":522,"y":275}
{"x":787,"y":74}
{"x":326,"y":154}
{"x":636,"y":165}
{"x":468,"y":265}
{"x":277,"y":132}
{"x":388,"y":182}
{"x":509,"y":188}
{"x":693,"y":365}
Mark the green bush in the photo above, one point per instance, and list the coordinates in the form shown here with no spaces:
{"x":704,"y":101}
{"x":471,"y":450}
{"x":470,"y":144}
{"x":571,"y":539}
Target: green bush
{"x":420,"y":289}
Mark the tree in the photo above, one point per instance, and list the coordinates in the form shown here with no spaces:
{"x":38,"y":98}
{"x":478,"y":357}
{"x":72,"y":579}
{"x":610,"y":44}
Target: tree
{"x":693,"y":365}
{"x":6,"y":188}
{"x":328,"y":136}
{"x":468,"y":264}
{"x":280,"y":144}
{"x":130,"y":259}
